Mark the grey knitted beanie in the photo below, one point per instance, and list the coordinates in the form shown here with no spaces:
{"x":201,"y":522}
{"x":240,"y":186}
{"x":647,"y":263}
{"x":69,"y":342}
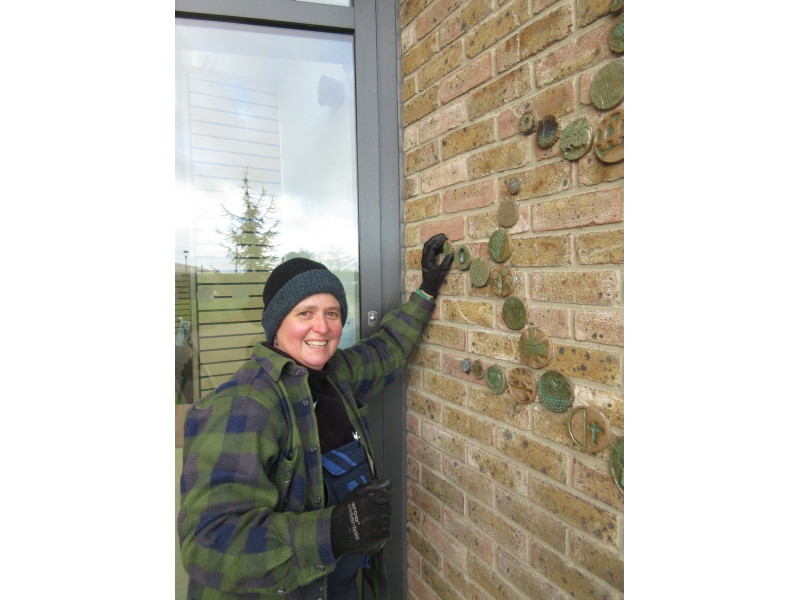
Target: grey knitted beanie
{"x":293,"y":281}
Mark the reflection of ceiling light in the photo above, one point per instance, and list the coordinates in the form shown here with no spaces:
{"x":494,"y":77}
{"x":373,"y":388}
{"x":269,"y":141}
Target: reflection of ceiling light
{"x":330,"y":92}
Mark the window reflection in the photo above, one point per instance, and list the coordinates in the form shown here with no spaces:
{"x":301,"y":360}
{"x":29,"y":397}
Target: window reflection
{"x":265,"y":171}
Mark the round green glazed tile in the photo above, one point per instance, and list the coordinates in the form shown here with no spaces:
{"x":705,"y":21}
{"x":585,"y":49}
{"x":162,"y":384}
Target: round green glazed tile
{"x":479,"y":272}
{"x":503,"y":280}
{"x":496,"y":379}
{"x":555,"y":391}
{"x":576,"y":139}
{"x":508,"y":213}
{"x":608,"y":86}
{"x":528,"y":122}
{"x":463,"y":257}
{"x":548,"y":132}
{"x":478,"y":369}
{"x":618,"y":463}
{"x":609,"y":138}
{"x":589,"y":429}
{"x":500,"y":245}
{"x":616,"y":39}
{"x":535,"y":348}
{"x":514,"y":313}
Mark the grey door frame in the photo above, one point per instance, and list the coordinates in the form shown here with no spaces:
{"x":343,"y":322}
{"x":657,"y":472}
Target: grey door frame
{"x":375,"y":28}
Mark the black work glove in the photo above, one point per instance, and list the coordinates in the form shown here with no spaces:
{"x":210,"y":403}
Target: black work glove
{"x":433,"y":274}
{"x":360,"y":524}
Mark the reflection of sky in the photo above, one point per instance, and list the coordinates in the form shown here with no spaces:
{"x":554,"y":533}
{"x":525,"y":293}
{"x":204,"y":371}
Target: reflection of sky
{"x":317,"y":205}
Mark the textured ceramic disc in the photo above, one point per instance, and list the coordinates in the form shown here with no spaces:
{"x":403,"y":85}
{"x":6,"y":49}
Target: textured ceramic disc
{"x":618,"y":463}
{"x":514,"y":313}
{"x":609,"y":139}
{"x":535,"y":348}
{"x":496,"y":379}
{"x":576,"y":139}
{"x":514,"y":186}
{"x":503,"y":280}
{"x":478,"y":369}
{"x":508,"y":213}
{"x":463,"y":257}
{"x":590,"y":429}
{"x":479,"y":272}
{"x":549,"y":131}
{"x":608,"y":86}
{"x":500,"y":245}
{"x":466,"y":365}
{"x":555,"y":391}
{"x":528,"y":122}
{"x":616,"y":39}
{"x":522,"y":385}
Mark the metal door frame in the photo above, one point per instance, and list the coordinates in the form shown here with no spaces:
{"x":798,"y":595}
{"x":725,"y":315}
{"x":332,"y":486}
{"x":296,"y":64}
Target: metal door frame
{"x":375,"y":28}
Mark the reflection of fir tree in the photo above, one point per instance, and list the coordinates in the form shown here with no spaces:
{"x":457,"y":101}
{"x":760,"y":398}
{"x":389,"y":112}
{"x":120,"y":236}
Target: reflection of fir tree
{"x":249,"y":240}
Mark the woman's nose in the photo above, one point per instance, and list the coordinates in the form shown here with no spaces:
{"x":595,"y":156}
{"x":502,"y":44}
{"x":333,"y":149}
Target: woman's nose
{"x":320,"y":325}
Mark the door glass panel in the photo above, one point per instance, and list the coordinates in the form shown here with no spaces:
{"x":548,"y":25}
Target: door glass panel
{"x":265,"y":170}
{"x":331,"y":2}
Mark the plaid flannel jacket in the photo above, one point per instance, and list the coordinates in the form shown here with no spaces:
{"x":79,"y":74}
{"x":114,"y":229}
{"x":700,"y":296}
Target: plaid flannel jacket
{"x":253,"y":524}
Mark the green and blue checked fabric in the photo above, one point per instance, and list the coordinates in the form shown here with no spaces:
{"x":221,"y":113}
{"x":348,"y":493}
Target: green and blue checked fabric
{"x":253,"y":524}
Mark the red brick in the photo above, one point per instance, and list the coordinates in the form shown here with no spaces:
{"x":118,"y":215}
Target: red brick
{"x":421,"y":208}
{"x":525,"y":579}
{"x":444,"y":387}
{"x":468,"y":138}
{"x":408,"y":38}
{"x":584,"y":210}
{"x":422,"y":158}
{"x":600,"y":327}
{"x":440,"y":65}
{"x":415,"y":583}
{"x":472,"y":75}
{"x":523,"y":448}
{"x":487,"y":577}
{"x":446,"y":492}
{"x":477,"y":485}
{"x":472,"y":13}
{"x":453,"y":228}
{"x":592,"y":170}
{"x":420,"y":106}
{"x":540,"y":5}
{"x":531,"y":516}
{"x":501,"y":24}
{"x":539,"y":181}
{"x":558,"y":100}
{"x":444,"y":542}
{"x":506,"y":89}
{"x":430,"y":505}
{"x":428,"y":20}
{"x":465,"y":311}
{"x":410,"y":9}
{"x":601,"y":247}
{"x":553,"y":321}
{"x":444,"y":175}
{"x":413,"y":424}
{"x":425,"y":406}
{"x":502,"y":157}
{"x":568,"y":578}
{"x":409,"y":88}
{"x":468,"y":197}
{"x":589,"y":11}
{"x":410,"y":187}
{"x":542,"y":251}
{"x":585,"y":51}
{"x":452,"y":366}
{"x":413,"y":468}
{"x":454,"y":445}
{"x":413,"y":559}
{"x":463,"y":584}
{"x":425,"y":548}
{"x":445,"y":335}
{"x":534,"y":38}
{"x":597,"y":482}
{"x":604,"y":562}
{"x":500,"y":407}
{"x":469,"y":425}
{"x":423,"y":452}
{"x":483,"y":225}
{"x":508,"y":535}
{"x":442,"y":121}
{"x":600,"y":366}
{"x":421,"y":54}
{"x":469,"y":535}
{"x":576,"y":287}
{"x":410,"y":137}
{"x":442,"y":589}
{"x":498,"y":468}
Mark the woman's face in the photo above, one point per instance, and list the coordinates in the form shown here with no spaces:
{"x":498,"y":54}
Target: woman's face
{"x":311,"y":331}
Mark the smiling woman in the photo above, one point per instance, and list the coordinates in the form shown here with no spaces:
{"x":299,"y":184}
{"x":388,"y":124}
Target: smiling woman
{"x":310,"y":333}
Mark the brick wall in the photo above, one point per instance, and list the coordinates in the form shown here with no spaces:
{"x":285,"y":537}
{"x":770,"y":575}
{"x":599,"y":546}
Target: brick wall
{"x":502,"y":503}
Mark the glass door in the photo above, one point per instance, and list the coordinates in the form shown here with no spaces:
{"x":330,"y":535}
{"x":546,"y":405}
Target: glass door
{"x":265,"y":170}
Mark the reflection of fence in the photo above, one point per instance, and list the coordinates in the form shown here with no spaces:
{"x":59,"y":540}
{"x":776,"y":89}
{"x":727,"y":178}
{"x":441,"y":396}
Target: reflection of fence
{"x":229,"y":309}
{"x":183,"y":307}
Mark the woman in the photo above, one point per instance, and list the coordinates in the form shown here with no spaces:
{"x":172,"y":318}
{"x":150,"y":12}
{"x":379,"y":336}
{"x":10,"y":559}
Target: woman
{"x":279,"y":496}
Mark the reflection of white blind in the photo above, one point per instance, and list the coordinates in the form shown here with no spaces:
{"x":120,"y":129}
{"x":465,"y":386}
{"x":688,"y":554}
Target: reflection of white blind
{"x":233,"y":122}
{"x":234,"y":126}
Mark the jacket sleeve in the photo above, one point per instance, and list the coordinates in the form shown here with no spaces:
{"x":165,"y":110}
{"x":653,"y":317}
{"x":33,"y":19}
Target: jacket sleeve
{"x":234,"y":533}
{"x":373,"y":363}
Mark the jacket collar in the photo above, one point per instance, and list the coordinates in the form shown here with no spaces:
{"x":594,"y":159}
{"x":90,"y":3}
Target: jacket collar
{"x":272,"y":362}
